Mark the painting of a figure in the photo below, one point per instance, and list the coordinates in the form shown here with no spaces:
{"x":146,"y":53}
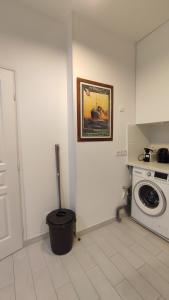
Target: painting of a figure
{"x":95,"y":111}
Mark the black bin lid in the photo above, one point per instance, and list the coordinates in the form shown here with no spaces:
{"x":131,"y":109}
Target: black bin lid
{"x":60,"y":217}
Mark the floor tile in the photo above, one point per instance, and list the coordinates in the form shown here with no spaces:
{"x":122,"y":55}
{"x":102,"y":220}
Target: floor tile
{"x":164,"y":258}
{"x":158,"y":241}
{"x":7,"y":293}
{"x":83,"y":256}
{"x":36,"y":256}
{"x":115,"y":228}
{"x":42,"y":280}
{"x":43,"y":285}
{"x":125,"y":251}
{"x":57,"y":271}
{"x":6,"y":272}
{"x":23,"y":277}
{"x":87,"y":239}
{"x":135,"y":227}
{"x":135,"y":279}
{"x":153,"y":261}
{"x":105,"y":246}
{"x":155,"y":280}
{"x":102,"y":285}
{"x":105,"y":264}
{"x":120,"y":261}
{"x":143,"y":241}
{"x":79,"y":278}
{"x":67,"y":292}
{"x":127,"y":291}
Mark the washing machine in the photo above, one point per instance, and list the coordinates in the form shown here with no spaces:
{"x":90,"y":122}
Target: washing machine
{"x":150,"y":200}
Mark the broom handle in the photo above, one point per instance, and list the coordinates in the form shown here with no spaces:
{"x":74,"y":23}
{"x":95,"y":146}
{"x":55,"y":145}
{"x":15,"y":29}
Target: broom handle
{"x":58,"y":172}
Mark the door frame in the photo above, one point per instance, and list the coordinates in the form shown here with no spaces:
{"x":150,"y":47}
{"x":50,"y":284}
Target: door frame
{"x":19,"y":160}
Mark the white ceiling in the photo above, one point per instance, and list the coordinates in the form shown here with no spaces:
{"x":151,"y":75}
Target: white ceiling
{"x":132,"y":19}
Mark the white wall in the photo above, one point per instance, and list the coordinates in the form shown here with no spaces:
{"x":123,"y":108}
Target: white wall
{"x":35,"y":48}
{"x":153,"y":136}
{"x":138,"y":137}
{"x":41,"y":53}
{"x":99,"y":56}
{"x":152,"y":92}
{"x":158,"y":133}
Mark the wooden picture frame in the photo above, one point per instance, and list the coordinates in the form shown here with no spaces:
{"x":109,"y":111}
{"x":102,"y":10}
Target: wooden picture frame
{"x":94,"y":111}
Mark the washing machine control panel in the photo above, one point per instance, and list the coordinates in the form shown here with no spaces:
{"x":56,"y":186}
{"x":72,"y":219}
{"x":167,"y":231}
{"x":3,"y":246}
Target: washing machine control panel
{"x":151,"y":174}
{"x":160,"y":175}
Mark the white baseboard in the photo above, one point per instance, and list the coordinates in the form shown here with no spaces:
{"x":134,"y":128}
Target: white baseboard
{"x":36,"y":239}
{"x":97,"y":226}
{"x":78,"y":233}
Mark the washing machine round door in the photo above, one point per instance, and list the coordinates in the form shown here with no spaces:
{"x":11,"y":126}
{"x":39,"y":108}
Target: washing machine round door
{"x":149,"y":198}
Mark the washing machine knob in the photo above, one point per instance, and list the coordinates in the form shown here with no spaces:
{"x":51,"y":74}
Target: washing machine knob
{"x":148,"y":174}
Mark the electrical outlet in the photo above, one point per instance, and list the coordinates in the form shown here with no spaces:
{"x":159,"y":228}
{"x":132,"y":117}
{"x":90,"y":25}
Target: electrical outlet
{"x":124,"y":153}
{"x":121,"y":153}
{"x":118,"y":153}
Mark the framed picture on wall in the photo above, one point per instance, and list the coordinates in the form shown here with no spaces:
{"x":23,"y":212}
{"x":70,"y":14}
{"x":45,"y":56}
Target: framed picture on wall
{"x":94,"y":111}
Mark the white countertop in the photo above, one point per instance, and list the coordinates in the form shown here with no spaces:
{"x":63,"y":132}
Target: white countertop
{"x":153,"y":166}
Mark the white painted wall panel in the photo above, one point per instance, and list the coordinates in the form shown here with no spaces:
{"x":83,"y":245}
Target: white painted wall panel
{"x":102,"y":57}
{"x":152,"y":88}
{"x":34,"y":46}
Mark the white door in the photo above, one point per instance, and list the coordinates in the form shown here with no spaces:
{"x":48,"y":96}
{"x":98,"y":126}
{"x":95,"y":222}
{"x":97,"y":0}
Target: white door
{"x":10,"y":210}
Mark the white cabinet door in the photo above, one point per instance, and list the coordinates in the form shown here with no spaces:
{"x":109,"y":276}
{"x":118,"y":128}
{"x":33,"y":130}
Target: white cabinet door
{"x":10,"y":210}
{"x":152,"y":77}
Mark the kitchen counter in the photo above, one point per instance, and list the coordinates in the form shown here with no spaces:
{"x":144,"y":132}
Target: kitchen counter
{"x":153,"y":166}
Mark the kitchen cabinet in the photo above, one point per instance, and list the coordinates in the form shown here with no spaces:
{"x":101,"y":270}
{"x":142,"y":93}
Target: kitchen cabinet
{"x":152,"y":77}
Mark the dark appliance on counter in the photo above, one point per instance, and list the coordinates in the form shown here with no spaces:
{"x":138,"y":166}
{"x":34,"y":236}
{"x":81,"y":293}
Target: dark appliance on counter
{"x":163,"y":155}
{"x":147,"y":154}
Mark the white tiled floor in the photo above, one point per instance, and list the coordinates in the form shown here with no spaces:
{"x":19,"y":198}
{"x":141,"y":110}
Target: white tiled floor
{"x":117,"y":262}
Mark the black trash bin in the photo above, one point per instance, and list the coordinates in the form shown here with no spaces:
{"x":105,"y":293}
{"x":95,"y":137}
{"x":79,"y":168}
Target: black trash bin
{"x":62,"y":228}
